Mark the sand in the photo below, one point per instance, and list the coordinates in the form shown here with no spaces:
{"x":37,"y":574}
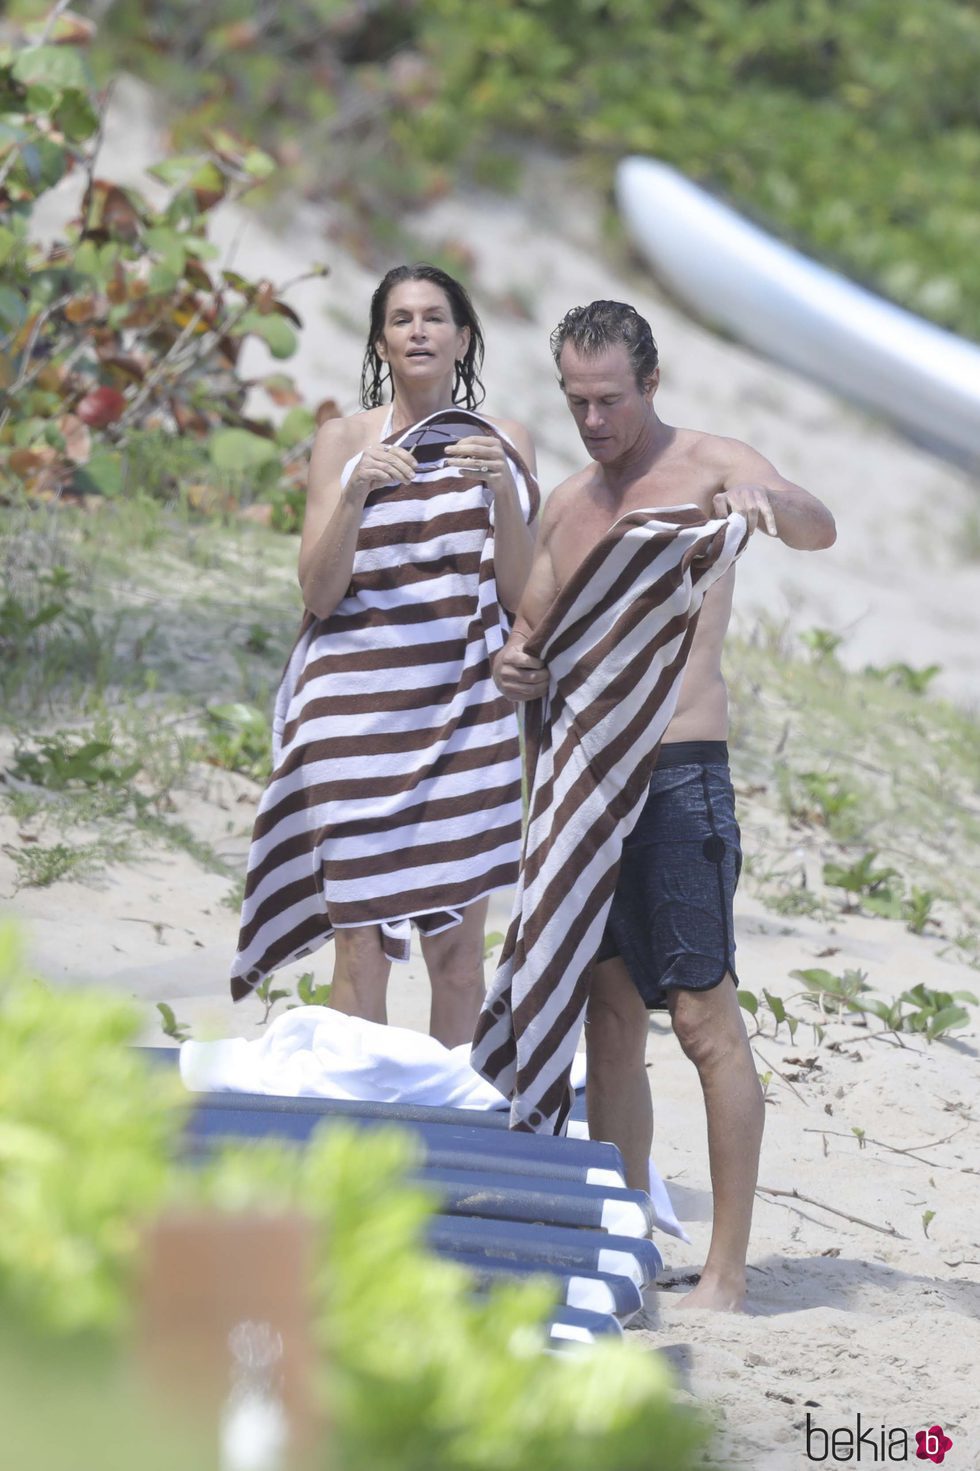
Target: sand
{"x":877,"y":1316}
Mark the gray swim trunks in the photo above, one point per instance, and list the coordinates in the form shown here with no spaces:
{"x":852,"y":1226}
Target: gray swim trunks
{"x":671,"y":916}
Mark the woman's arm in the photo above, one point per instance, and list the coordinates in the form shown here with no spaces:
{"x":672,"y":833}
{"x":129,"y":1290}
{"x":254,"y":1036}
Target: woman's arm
{"x":513,"y":540}
{"x":333,"y":513}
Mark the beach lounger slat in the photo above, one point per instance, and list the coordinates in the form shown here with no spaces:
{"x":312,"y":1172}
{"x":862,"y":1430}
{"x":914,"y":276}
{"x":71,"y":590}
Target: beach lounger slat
{"x":599,"y":1292}
{"x":556,"y":1203}
{"x":567,"y":1247}
{"x":569,"y":1327}
{"x":457,"y":1146}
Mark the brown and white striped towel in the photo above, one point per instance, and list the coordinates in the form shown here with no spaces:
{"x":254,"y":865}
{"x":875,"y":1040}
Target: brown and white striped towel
{"x":615,"y":641}
{"x":396,"y":789}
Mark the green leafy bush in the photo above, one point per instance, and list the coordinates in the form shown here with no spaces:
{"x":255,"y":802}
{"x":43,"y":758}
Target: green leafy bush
{"x":851,"y":129}
{"x":418,"y":1375}
{"x":125,"y":325}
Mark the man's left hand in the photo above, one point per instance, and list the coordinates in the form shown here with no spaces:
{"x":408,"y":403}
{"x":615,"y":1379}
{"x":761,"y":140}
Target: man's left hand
{"x":753,"y":502}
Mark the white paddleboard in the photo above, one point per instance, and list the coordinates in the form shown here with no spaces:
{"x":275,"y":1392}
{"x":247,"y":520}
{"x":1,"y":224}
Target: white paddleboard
{"x":774,"y":299}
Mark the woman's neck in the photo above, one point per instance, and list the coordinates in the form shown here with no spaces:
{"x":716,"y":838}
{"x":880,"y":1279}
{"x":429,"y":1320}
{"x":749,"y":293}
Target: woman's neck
{"x":418,"y":401}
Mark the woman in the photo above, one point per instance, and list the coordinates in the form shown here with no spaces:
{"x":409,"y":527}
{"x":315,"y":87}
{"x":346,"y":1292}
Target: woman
{"x":396,"y":793}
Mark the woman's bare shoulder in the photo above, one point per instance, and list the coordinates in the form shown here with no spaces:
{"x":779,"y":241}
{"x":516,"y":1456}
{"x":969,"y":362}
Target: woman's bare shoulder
{"x":359,"y":429}
{"x":516,"y":433}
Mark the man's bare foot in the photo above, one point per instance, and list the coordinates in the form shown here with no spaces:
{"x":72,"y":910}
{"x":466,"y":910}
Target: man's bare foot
{"x":719,"y":1295}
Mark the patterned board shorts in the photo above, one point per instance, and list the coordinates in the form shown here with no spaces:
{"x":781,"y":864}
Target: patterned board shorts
{"x":671,"y":916}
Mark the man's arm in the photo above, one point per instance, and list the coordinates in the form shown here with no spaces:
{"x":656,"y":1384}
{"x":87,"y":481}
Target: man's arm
{"x":751,"y":485}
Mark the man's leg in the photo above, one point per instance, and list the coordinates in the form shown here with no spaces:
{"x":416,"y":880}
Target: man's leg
{"x":454,"y":960}
{"x":360,"y":973}
{"x":710,"y":1029}
{"x":617,"y":1092}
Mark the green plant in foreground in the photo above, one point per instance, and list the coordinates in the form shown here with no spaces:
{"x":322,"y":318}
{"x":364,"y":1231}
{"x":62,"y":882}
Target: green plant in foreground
{"x":59,"y":761}
{"x":824,"y":988}
{"x":238,"y":738}
{"x":169,"y":1024}
{"x":311,"y":994}
{"x":920,"y":1009}
{"x":417,"y":1374}
{"x":866,"y":886}
{"x":490,"y":943}
{"x":917,"y":910}
{"x":38,"y":866}
{"x":269,"y":995}
{"x":124,"y":324}
{"x":905,"y":676}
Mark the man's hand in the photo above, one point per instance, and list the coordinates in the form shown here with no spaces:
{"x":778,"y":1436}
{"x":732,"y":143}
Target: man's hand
{"x":753,"y":502}
{"x":519,"y":676}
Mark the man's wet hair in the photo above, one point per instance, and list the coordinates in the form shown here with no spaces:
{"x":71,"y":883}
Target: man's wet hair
{"x":591,"y":329}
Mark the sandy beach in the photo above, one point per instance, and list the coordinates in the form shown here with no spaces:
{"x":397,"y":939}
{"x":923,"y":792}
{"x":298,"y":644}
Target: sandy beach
{"x":865,"y":1285}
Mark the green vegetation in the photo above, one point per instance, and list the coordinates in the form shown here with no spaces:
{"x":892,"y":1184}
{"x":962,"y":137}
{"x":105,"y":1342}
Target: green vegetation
{"x":844,"y":998}
{"x":418,"y":1376}
{"x":853,"y":130}
{"x":876,"y":779}
{"x":123,"y":334}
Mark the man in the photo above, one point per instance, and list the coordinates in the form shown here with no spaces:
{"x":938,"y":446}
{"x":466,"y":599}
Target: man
{"x":668,"y":939}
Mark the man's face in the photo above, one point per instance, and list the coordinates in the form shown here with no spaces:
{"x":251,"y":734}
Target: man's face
{"x":606,"y":404}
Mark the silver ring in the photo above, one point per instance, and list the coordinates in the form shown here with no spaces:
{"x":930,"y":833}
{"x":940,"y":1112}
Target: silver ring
{"x":484,"y":469}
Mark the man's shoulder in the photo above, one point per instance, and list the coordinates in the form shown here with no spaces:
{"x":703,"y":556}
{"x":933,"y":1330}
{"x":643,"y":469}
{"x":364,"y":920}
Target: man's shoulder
{"x":711,"y":448}
{"x":567,"y":494}
{"x":718,"y":452}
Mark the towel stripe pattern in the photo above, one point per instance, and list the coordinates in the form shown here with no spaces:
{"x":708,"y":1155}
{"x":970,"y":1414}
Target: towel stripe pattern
{"x":396,"y":788}
{"x":615,"y":641}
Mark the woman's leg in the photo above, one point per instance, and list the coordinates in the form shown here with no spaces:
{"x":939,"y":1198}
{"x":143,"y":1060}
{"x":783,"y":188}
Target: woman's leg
{"x":454,"y":960}
{"x":360,"y":974}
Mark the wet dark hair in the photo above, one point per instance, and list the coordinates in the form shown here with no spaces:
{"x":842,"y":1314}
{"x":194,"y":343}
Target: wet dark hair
{"x":467,"y":387}
{"x":590,"y":329}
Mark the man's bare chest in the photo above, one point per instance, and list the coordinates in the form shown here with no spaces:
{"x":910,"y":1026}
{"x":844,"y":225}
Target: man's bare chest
{"x":587,"y":520}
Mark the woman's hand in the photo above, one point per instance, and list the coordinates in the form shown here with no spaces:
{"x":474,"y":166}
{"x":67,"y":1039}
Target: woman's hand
{"x":484,"y":458}
{"x":381,"y":464}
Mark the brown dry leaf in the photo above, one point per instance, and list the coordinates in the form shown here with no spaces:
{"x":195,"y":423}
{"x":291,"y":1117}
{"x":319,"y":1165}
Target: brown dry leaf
{"x":282,"y":390}
{"x":72,"y":30}
{"x":78,"y":440}
{"x":327,"y":409}
{"x":51,"y":378}
{"x":24,"y":462}
{"x":206,"y":498}
{"x":125,"y":366}
{"x":108,"y":208}
{"x":260,"y":513}
{"x":81,"y":309}
{"x":265,"y":298}
{"x":187,"y":419}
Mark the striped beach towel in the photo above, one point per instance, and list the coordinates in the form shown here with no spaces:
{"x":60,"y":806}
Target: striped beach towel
{"x":615,"y":641}
{"x":396,"y":789}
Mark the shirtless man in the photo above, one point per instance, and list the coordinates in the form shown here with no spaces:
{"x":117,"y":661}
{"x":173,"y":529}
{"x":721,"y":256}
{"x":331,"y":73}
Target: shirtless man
{"x":669,"y":937}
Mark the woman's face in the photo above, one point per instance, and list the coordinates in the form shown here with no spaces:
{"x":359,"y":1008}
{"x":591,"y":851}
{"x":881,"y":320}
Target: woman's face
{"x":420,"y":340}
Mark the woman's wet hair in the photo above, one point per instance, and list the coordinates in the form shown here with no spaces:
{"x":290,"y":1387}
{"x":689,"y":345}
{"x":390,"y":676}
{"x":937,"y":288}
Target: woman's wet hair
{"x":591,"y":329}
{"x":375,"y":374}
